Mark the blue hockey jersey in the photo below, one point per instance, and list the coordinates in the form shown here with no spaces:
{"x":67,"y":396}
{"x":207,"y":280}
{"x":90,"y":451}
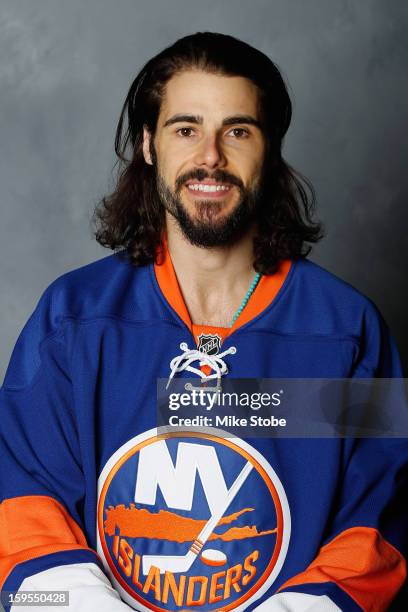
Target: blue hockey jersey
{"x":189,"y":520}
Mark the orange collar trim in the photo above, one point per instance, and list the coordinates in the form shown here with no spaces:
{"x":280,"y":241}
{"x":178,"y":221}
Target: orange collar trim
{"x":264,"y":294}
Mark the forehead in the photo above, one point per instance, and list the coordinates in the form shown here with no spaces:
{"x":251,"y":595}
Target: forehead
{"x":212,"y":96}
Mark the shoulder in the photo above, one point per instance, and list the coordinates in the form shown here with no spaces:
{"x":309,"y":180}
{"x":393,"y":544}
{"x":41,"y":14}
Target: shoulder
{"x":327,"y":303}
{"x":107,"y":287}
{"x":315,"y":304}
{"x":316,"y":279}
{"x":319,"y":303}
{"x":110,"y":287}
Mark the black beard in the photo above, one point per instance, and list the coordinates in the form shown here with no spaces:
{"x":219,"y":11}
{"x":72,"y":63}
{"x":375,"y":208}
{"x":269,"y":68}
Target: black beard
{"x":205,"y":230}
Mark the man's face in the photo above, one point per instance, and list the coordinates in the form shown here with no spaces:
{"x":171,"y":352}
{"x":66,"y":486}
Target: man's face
{"x":209,"y":151}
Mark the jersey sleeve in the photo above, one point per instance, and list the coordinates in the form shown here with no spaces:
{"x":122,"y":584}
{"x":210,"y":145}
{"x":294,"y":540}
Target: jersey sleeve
{"x":361,"y":562}
{"x":43,"y":539}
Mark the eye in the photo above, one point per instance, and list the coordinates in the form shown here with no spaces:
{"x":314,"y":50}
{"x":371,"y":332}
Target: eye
{"x":239,"y":132}
{"x":185,"y":132}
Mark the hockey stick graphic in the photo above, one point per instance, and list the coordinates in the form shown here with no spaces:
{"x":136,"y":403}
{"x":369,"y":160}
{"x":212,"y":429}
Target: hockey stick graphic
{"x":182,"y":563}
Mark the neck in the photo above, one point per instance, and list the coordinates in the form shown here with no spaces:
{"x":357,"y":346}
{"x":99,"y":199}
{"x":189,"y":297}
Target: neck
{"x":213,"y":281}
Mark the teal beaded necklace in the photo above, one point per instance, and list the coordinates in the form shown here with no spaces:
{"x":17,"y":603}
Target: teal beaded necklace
{"x":246,"y":298}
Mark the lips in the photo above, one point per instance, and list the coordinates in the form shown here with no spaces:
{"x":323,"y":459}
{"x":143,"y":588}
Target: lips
{"x":208,"y":187}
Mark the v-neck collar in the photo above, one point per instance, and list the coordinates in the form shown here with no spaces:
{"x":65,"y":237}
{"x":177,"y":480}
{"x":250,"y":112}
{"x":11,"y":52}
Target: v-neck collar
{"x":263,"y":296}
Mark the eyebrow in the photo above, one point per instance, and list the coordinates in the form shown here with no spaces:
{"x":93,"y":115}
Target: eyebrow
{"x":198,"y":120}
{"x":184,"y":119}
{"x":239,"y":119}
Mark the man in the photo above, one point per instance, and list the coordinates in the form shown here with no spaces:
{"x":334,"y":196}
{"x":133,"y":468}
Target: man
{"x":214,"y":227}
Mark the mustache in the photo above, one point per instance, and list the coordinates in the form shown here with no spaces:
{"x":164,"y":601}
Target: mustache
{"x":221,"y":176}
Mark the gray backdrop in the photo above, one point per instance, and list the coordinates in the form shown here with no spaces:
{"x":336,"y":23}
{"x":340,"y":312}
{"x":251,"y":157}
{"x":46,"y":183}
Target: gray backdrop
{"x":65,"y":68}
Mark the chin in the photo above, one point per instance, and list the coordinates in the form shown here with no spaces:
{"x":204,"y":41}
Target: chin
{"x":210,"y":211}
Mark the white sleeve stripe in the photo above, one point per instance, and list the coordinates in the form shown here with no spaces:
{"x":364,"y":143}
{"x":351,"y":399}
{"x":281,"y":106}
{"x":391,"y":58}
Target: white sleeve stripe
{"x":89,"y":588}
{"x":298,"y":602}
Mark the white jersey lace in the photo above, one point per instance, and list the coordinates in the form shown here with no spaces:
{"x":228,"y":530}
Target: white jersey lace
{"x":189,"y":356}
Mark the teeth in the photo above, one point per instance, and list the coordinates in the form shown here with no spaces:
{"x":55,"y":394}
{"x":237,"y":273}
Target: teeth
{"x":208,"y":188}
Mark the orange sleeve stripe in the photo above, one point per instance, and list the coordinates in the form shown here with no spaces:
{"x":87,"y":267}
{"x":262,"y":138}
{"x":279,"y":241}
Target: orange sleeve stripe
{"x":32,"y":526}
{"x":362,"y":563}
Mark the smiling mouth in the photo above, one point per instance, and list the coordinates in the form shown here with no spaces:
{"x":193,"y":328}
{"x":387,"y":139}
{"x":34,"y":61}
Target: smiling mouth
{"x":208,"y":188}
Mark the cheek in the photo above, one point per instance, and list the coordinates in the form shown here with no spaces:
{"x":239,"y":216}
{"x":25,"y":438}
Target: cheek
{"x":251,"y":170}
{"x":170,"y":163}
{"x":248,"y":161}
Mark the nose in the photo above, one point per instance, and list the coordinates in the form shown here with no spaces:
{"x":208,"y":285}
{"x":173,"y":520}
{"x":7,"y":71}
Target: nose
{"x":209,"y":152}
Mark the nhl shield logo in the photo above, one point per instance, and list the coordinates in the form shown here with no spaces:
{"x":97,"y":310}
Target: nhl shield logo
{"x":209,"y":343}
{"x":191,"y":520}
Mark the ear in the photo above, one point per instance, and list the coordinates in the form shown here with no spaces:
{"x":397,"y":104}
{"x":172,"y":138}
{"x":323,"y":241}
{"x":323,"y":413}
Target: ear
{"x":146,"y":145}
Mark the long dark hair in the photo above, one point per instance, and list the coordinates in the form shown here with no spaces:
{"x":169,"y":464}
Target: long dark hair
{"x":132,"y":218}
